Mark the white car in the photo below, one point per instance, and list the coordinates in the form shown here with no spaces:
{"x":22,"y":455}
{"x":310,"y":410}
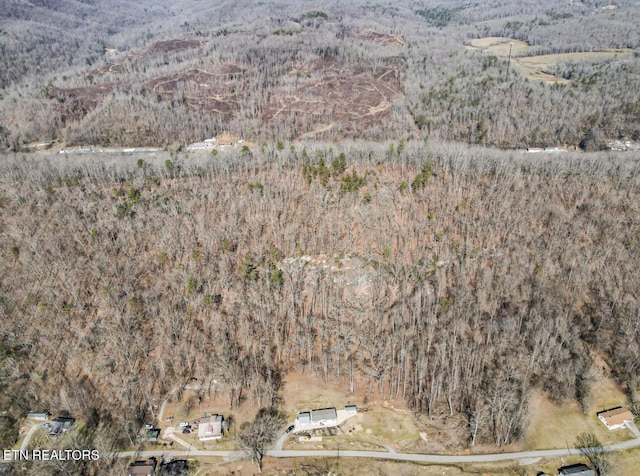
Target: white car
{"x":183,"y":424}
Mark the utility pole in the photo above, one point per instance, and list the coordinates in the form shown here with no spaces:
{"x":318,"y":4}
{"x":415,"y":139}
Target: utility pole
{"x":509,"y":62}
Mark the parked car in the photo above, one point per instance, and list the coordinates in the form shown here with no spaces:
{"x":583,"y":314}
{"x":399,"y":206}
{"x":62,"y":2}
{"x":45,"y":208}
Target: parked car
{"x":186,"y":431}
{"x":290,"y":429}
{"x":169,"y":418}
{"x":148,"y":426}
{"x":183,"y":424}
{"x":193,"y":379}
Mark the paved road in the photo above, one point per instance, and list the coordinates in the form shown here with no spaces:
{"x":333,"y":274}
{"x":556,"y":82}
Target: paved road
{"x":421,"y":458}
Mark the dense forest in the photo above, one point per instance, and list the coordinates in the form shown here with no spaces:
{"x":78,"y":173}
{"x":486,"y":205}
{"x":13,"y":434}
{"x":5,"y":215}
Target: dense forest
{"x":170,"y":73}
{"x":361,"y":234}
{"x":458,"y":279}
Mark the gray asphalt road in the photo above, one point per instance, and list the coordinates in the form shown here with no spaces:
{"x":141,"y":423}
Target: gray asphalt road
{"x":422,"y":458}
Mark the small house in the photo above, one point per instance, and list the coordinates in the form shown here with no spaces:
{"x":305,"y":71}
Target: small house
{"x":615,"y":418}
{"x":226,"y":139}
{"x":143,"y":468}
{"x":325,"y":416}
{"x":304,"y":418}
{"x":60,"y":425}
{"x":200,"y":146}
{"x":210,"y":428}
{"x":41,"y":416}
{"x":576,"y":470}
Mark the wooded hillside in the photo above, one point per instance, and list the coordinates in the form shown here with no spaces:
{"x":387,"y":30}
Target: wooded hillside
{"x":167,"y":73}
{"x":458,"y":279}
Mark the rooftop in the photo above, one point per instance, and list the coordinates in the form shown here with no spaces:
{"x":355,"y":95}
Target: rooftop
{"x":615,"y":416}
{"x":324,"y":414}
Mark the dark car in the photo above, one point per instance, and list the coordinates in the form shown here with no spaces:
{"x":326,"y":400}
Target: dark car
{"x":290,"y":429}
{"x":186,"y":431}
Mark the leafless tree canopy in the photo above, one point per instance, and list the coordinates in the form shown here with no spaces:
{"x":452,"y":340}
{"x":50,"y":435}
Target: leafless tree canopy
{"x":592,"y":449}
{"x":256,"y":436}
{"x":167,"y":73}
{"x":458,"y":279}
{"x":351,"y":239}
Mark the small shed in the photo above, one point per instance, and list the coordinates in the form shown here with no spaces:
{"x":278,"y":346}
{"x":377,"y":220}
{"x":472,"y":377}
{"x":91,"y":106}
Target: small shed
{"x":350,"y":409}
{"x":304,"y":418}
{"x":151,"y":435}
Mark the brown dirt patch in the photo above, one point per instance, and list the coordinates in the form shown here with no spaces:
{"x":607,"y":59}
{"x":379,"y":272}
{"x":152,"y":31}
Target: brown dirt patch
{"x":171,"y":46}
{"x":200,"y":89}
{"x":381,"y":38}
{"x":75,"y":103}
{"x":331,"y":91}
{"x":160,"y":47}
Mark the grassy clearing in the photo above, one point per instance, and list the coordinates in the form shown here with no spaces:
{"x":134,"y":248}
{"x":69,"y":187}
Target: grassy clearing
{"x":626,"y":462}
{"x":557,"y":426}
{"x":534,"y":67}
{"x":395,"y":428}
{"x":384,"y":422}
{"x":500,"y":46}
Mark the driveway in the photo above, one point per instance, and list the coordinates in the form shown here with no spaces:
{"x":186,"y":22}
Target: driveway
{"x":34,"y":428}
{"x":634,"y":429}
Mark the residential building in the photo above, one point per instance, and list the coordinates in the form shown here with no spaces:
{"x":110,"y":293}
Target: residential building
{"x":210,"y":428}
{"x":615,"y":418}
{"x":60,"y":425}
{"x":304,"y":418}
{"x":143,"y":468}
{"x":576,"y":470}
{"x":324,"y":416}
{"x":42,"y":416}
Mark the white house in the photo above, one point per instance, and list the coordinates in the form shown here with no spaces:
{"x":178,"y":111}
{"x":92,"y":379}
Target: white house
{"x":325,"y":416}
{"x":42,"y":416}
{"x":615,"y":418}
{"x":304,"y":418}
{"x":210,"y":428}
